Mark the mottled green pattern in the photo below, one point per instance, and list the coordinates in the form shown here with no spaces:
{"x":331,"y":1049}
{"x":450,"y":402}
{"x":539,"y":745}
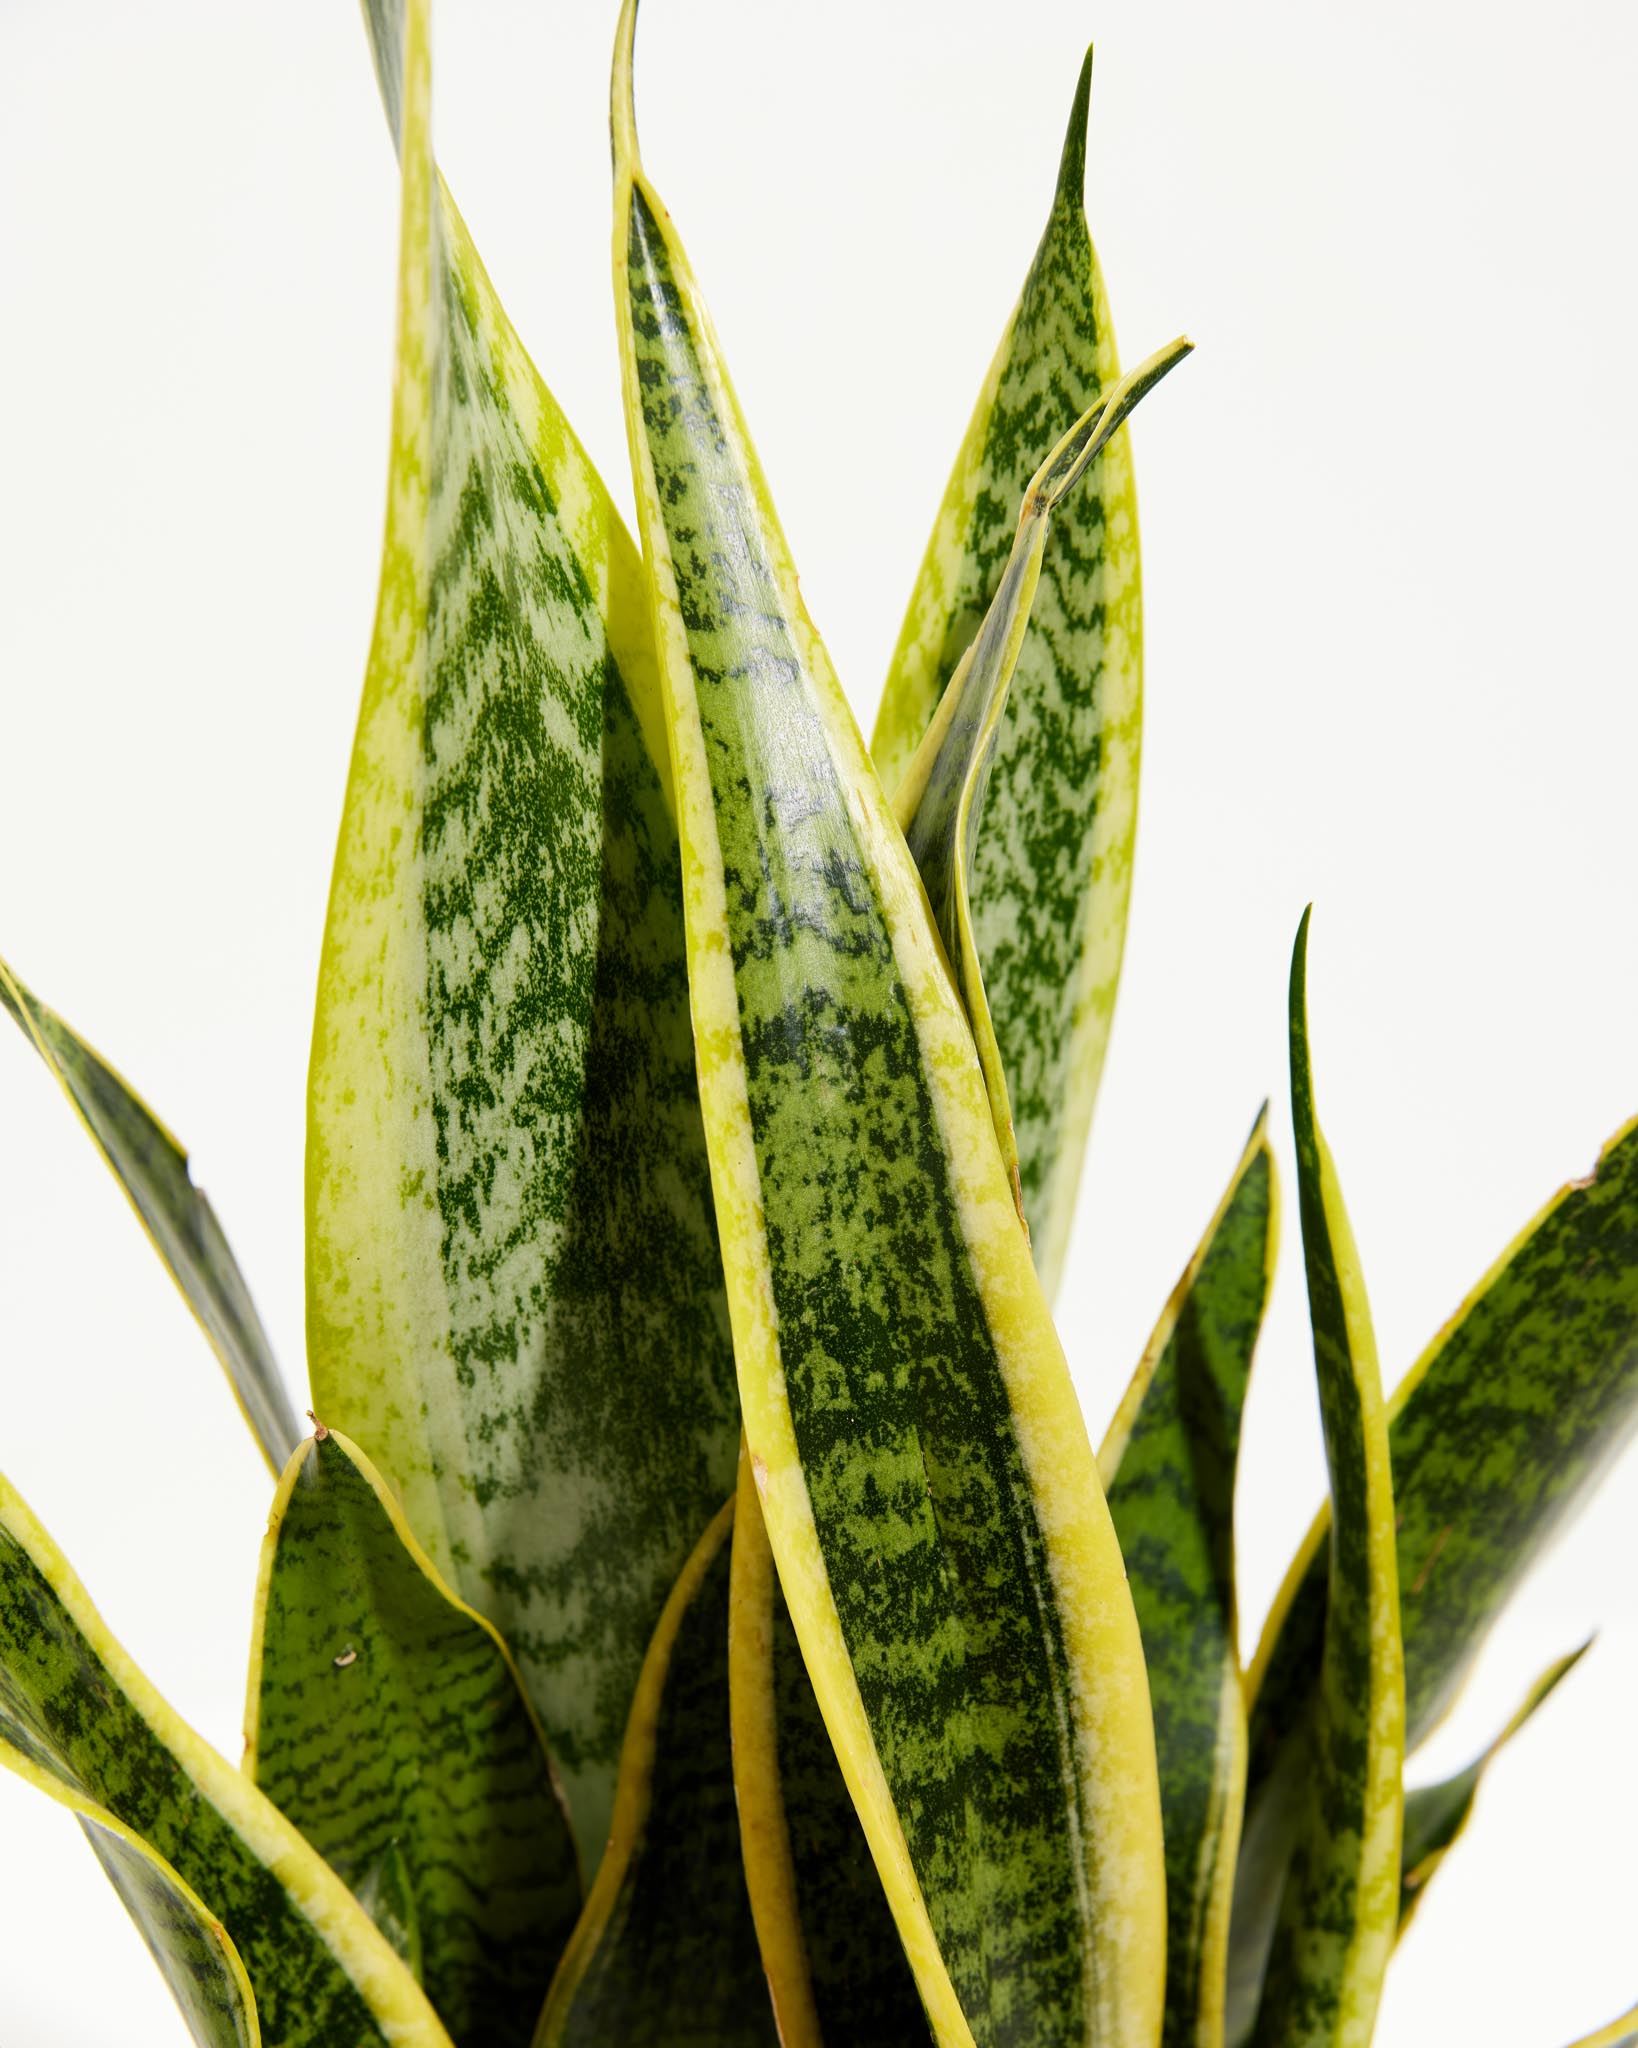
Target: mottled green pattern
{"x":924,"y":1512}
{"x":192,"y":1949}
{"x":66,"y":1713}
{"x":515,"y":1294}
{"x":1172,"y":1496}
{"x":1053,"y":865}
{"x":675,"y":1962}
{"x":153,"y":1170}
{"x":389,"y":1726}
{"x":1339,"y":1908}
{"x":863,"y":1990}
{"x":1497,"y":1433}
{"x":1435,"y":1815}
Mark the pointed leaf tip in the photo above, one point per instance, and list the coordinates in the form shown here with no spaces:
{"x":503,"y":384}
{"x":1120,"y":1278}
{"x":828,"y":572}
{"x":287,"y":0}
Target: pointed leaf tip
{"x":1072,"y":164}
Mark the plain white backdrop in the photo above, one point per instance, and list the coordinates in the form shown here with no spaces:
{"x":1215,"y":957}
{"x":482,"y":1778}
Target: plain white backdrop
{"x":1389,"y":533}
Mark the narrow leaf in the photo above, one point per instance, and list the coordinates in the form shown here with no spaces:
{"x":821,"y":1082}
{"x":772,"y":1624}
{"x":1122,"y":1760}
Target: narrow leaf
{"x":1540,"y":1368}
{"x":514,"y":1294}
{"x":835,"y":1966}
{"x":929,"y":1492}
{"x":1435,"y":1815}
{"x":1052,"y":867}
{"x":387,"y":1721}
{"x":181,"y":1224}
{"x":1339,"y":1911}
{"x":201,"y":1848}
{"x":1169,"y":1464}
{"x":941,"y":797}
{"x":665,"y":1953}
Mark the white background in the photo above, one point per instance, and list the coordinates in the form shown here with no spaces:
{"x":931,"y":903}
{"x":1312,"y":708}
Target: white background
{"x":1389,"y":536}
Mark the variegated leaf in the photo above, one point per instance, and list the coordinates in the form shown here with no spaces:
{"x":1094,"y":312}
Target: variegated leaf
{"x":225,"y":1891}
{"x":666,"y":1953}
{"x":1052,"y":867}
{"x":515,"y":1296}
{"x":1498,"y":1432}
{"x":941,"y":798}
{"x":387,"y":1722}
{"x":929,"y":1492}
{"x":152,"y":1168}
{"x":1340,"y":1905}
{"x":836,"y":1968}
{"x":1169,"y":1465}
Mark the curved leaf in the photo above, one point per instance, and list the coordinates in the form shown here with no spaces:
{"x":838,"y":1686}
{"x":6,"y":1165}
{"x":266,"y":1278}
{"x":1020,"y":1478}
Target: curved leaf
{"x":1339,"y":1909}
{"x":665,"y":1953}
{"x":181,"y":1225}
{"x":387,"y":1722}
{"x":835,"y":1966}
{"x":928,"y":1488}
{"x":1435,"y":1815}
{"x":1621,"y":2033}
{"x":1168,"y":1464}
{"x":941,"y":797}
{"x":1539,"y":1367}
{"x":1052,"y":867}
{"x":203,"y":1850}
{"x":515,"y":1296}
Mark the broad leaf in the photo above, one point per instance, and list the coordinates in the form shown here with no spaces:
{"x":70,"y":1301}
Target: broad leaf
{"x":1435,"y":1815}
{"x":387,"y":1721}
{"x":181,"y":1224}
{"x":515,"y":1297}
{"x":1340,"y":1906}
{"x":1540,"y":1366}
{"x":665,"y":1953}
{"x":929,"y":1492}
{"x":1169,"y":1463}
{"x":835,"y":1966}
{"x":941,"y":798}
{"x":223,"y":1887}
{"x":1052,"y":869}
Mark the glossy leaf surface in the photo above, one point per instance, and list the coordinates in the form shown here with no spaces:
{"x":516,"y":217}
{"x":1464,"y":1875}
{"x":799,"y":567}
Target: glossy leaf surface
{"x":1052,"y":867}
{"x":387,"y":1722}
{"x":666,"y":1953}
{"x":835,"y":1966}
{"x":152,"y":1168}
{"x":515,"y":1297}
{"x":929,"y":1492}
{"x":1169,"y":1465}
{"x":192,"y":1845}
{"x":1339,"y":1909}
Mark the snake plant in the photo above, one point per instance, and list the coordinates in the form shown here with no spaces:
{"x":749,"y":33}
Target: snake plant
{"x":697,"y":1613}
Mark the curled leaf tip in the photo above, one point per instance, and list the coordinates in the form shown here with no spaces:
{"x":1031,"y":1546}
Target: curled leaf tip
{"x":1097,"y":426}
{"x":622,"y":94}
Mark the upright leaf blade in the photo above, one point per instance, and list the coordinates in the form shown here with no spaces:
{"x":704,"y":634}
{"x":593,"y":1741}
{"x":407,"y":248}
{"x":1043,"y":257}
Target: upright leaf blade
{"x":1340,"y":1906}
{"x":666,"y":1952}
{"x":515,"y":1296}
{"x":387,"y":1722}
{"x":181,"y":1224}
{"x":198,"y":1846}
{"x":1052,"y":869}
{"x":929,"y":1492}
{"x":1169,"y":1465}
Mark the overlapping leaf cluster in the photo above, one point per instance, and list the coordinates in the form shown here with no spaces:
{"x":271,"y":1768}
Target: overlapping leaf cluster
{"x":699,"y":1616}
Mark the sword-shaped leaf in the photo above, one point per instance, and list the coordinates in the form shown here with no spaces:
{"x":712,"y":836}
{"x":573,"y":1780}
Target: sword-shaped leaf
{"x":152,"y":1168}
{"x":666,"y":1953}
{"x":224,"y":1889}
{"x":928,"y":1489}
{"x":1499,"y":1430}
{"x":1435,"y":1815}
{"x":835,"y":1965}
{"x":387,"y":1721}
{"x":941,"y":798}
{"x":1168,"y":1464}
{"x":1052,"y":868}
{"x":515,"y":1297}
{"x":1340,"y":1906}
